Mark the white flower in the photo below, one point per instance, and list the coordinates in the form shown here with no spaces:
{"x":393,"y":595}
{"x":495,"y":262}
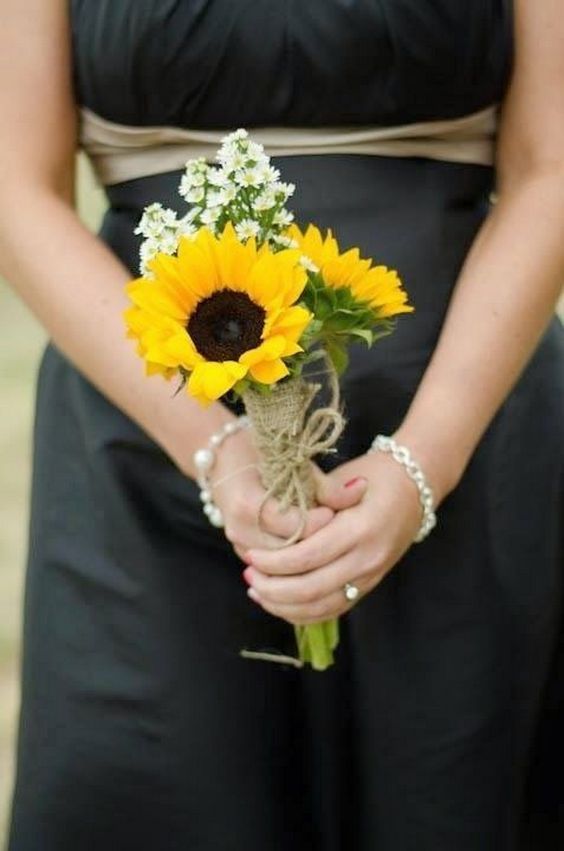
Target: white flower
{"x":217,"y":177}
{"x":193,"y":214}
{"x":168,"y":243}
{"x":146,"y":253}
{"x":186,"y":185}
{"x":255,"y":152}
{"x":168,"y":218}
{"x":186,"y":228}
{"x":234,"y":160}
{"x":270,"y":174}
{"x":247,"y":229}
{"x":283,"y":218}
{"x":284,"y":241}
{"x":308,"y":264}
{"x":195,"y":175}
{"x":285,"y":190}
{"x":249,"y":177}
{"x":222,"y":197}
{"x":147,"y":222}
{"x":236,"y":136}
{"x":265,"y":201}
{"x":210,"y":216}
{"x":195,"y":195}
{"x":157,"y":223}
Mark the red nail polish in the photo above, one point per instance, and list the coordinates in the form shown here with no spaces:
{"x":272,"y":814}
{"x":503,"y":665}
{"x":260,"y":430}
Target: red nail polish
{"x":352,"y":482}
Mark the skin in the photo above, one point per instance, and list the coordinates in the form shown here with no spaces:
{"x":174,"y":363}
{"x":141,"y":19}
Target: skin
{"x":72,"y":281}
{"x":506,"y":295}
{"x":74,"y":285}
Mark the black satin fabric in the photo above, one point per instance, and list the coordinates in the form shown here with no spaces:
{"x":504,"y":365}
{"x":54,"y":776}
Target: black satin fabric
{"x":439,"y":727}
{"x":226,"y":63}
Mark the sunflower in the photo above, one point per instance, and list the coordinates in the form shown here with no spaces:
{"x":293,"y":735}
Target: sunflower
{"x":220,"y":311}
{"x":377,"y":286}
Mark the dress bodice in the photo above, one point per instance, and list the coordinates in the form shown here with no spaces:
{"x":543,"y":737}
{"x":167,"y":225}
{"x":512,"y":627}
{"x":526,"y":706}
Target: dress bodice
{"x":225,"y":63}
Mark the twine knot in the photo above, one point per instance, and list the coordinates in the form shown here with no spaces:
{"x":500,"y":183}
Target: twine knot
{"x":288,"y":438}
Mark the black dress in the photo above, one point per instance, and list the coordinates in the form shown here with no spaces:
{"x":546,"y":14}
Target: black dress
{"x":141,"y":727}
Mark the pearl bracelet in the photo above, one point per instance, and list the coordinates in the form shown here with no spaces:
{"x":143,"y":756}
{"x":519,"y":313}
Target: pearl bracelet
{"x":205,"y":460}
{"x":402,"y":455}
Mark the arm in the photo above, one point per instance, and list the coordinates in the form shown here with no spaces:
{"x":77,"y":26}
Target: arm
{"x":514,"y":273}
{"x":505,"y":296}
{"x":68,"y":277}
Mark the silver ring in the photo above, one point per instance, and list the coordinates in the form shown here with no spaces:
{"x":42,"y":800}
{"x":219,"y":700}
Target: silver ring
{"x":351,"y":592}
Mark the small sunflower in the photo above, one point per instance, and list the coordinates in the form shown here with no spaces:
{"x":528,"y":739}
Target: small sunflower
{"x":219,"y":311}
{"x":377,"y":286}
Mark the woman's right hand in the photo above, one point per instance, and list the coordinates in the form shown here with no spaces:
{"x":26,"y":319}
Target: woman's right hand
{"x":240,"y":493}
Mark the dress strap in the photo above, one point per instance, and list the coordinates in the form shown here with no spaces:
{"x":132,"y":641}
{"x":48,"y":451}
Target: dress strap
{"x":121,"y":152}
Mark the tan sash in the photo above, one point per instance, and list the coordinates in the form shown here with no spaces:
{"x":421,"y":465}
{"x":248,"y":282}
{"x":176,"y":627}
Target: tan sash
{"x":120,"y":152}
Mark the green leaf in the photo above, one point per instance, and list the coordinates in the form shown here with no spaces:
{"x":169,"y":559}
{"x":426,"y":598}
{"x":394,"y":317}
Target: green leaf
{"x":364,"y":334}
{"x":240,"y":387}
{"x":182,"y":384}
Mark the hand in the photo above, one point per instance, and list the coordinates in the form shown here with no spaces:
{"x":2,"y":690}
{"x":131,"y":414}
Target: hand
{"x":304,"y":583}
{"x":240,"y":496}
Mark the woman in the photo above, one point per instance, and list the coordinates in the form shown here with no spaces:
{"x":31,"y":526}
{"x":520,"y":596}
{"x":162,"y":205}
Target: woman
{"x":141,"y":727}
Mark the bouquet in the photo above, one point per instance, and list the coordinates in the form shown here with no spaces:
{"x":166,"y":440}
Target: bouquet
{"x":234,"y":298}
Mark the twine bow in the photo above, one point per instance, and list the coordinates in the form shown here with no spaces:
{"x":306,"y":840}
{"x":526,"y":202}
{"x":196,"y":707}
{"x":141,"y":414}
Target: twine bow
{"x":288,"y":439}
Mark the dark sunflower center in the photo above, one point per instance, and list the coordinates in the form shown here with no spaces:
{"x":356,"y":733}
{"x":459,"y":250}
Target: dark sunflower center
{"x":225,"y":325}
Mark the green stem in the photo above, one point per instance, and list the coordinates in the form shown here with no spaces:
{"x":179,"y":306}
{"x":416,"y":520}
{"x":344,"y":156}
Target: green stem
{"x":316,"y":643}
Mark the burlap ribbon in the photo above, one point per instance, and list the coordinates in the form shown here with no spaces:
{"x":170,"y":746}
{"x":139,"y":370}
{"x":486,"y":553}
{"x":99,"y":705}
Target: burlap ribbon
{"x":288,"y":436}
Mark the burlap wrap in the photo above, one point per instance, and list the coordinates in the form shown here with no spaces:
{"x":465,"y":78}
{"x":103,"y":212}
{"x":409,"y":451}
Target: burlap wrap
{"x":288,"y":435}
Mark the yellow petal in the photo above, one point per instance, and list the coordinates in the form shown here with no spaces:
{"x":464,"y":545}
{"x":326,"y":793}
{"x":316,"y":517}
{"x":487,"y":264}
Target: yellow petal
{"x":268,"y":372}
{"x":157,"y":369}
{"x":291,"y":349}
{"x":154,"y":299}
{"x":170,"y":276}
{"x":291,"y":323}
{"x":211,"y":380}
{"x":183,"y":350}
{"x":267,"y":351}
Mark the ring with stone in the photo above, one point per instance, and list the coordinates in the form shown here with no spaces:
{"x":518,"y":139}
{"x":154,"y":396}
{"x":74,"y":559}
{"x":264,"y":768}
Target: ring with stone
{"x":351,"y":592}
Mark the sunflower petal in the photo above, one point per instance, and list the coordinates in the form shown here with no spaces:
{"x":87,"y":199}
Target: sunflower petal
{"x":183,"y":350}
{"x":211,"y":380}
{"x":267,"y":351}
{"x":268,"y":372}
{"x":291,"y":323}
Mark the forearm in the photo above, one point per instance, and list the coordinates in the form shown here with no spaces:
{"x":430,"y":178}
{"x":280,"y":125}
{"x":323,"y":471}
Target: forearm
{"x":75,"y":286}
{"x":505,"y":296}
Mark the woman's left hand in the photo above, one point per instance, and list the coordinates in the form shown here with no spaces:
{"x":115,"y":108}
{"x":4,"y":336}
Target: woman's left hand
{"x":304,"y":583}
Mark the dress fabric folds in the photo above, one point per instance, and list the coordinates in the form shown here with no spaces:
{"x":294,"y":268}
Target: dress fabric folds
{"x":440,"y":726}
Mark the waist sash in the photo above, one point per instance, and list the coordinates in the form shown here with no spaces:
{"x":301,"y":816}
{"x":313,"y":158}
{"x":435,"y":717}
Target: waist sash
{"x":121,"y":152}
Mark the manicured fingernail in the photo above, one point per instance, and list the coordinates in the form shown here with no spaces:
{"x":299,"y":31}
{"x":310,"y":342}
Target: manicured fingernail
{"x":253,"y":594}
{"x":352,"y":482}
{"x":247,"y":576}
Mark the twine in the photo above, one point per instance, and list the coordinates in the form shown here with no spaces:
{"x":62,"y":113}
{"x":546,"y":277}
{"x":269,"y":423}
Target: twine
{"x":287,"y":438}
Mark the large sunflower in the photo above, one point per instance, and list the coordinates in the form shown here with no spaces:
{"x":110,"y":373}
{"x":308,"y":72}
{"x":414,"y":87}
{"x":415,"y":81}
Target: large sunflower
{"x":221,"y":311}
{"x":377,"y":286}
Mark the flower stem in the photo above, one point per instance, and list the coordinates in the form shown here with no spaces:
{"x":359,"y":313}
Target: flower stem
{"x":316,"y":643}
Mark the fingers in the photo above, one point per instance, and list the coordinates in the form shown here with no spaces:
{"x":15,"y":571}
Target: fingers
{"x":243,"y":530}
{"x":320,"y":548}
{"x":300,"y":588}
{"x":312,"y":597}
{"x":338,"y":496}
{"x":283,"y":524}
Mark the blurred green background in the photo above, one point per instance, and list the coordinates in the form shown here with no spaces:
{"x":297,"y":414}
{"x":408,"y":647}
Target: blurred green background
{"x":21,"y":344}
